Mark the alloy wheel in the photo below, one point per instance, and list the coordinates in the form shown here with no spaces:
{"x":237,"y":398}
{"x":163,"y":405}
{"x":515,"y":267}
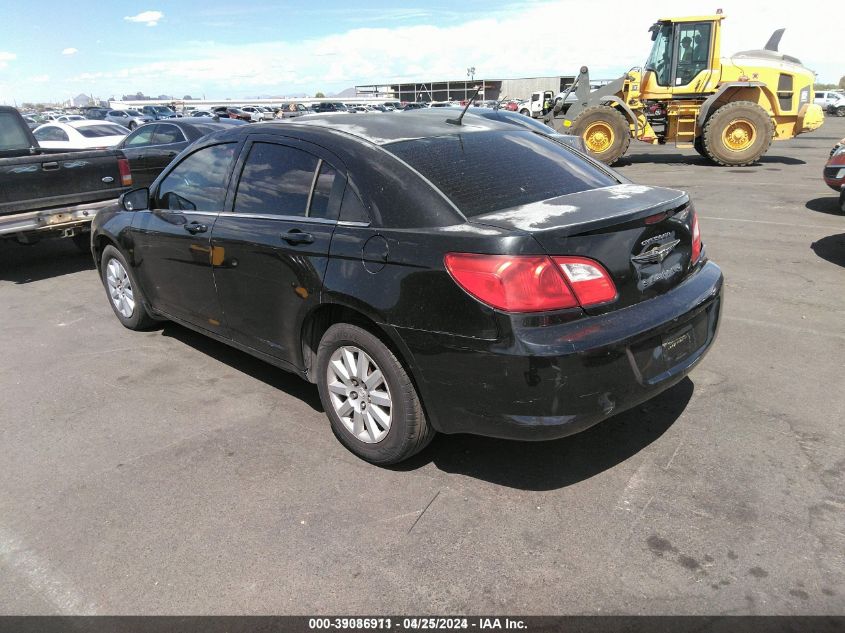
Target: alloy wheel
{"x":359,"y":394}
{"x":120,"y":288}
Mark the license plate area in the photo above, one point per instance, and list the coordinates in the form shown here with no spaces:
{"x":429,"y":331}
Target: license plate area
{"x":657,"y":355}
{"x":678,"y":345}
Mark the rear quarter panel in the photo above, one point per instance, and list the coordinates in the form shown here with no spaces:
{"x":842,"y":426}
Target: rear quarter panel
{"x":397,"y":276}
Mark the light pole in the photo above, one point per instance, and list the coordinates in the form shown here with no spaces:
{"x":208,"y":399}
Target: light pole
{"x":471,"y":75}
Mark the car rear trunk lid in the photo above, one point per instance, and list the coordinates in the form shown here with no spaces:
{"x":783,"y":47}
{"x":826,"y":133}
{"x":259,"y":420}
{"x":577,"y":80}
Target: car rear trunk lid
{"x":642,"y":235}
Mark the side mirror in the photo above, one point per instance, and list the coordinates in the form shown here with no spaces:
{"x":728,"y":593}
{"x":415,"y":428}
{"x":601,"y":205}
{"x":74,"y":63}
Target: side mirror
{"x":135,"y":200}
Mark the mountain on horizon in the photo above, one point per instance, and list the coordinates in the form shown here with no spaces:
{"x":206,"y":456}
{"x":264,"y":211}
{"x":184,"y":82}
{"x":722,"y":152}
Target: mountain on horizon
{"x":349,"y":92}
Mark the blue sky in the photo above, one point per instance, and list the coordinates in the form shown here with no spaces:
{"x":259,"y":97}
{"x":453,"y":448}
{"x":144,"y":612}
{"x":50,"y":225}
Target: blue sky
{"x":257,"y":47}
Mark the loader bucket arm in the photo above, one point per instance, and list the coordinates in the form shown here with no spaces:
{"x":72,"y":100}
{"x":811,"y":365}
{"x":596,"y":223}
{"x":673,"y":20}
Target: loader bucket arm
{"x":561,"y":122}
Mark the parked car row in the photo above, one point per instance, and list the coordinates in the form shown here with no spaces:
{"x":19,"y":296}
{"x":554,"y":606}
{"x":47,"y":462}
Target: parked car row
{"x":831,"y":101}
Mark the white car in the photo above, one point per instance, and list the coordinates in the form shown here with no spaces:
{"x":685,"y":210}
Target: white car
{"x":257,"y":113}
{"x":86,"y":134}
{"x":70,"y":117}
{"x":832,"y":102}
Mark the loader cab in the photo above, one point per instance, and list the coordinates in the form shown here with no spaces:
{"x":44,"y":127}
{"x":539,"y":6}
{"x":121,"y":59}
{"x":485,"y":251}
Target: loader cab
{"x":684,"y":58}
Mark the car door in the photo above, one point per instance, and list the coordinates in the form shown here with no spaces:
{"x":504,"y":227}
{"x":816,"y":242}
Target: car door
{"x":272,"y":249}
{"x":171,"y":240}
{"x":119,"y":117}
{"x":691,"y":58}
{"x":136,"y":147}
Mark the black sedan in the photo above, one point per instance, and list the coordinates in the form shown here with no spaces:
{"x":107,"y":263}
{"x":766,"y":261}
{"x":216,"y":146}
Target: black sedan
{"x":426,"y":275}
{"x":151,"y":147}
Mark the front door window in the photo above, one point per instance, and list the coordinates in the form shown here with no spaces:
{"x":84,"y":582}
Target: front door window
{"x":693,"y":51}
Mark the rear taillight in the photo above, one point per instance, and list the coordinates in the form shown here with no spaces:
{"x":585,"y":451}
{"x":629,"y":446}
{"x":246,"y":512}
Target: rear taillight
{"x":531,"y":283}
{"x":588,"y":279}
{"x":696,"y":239}
{"x":125,"y":172}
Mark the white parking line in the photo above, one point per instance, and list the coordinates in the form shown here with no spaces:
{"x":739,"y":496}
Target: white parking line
{"x":799,"y":330}
{"x":48,"y":583}
{"x":799,"y":226}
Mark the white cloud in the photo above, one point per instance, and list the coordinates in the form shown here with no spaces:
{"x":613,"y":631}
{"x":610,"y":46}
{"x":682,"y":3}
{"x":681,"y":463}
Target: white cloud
{"x":495,"y":45}
{"x":40,"y":79}
{"x":70,"y":51}
{"x":150,"y":18}
{"x":5,"y":58}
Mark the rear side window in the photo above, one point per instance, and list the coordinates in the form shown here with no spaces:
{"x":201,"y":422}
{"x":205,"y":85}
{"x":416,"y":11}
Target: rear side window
{"x":352,"y":210}
{"x":96,"y":131}
{"x":276,"y":180}
{"x":322,"y":195}
{"x":166,"y":134}
{"x":482,"y":172}
{"x":51,"y":133}
{"x":140,"y":137}
{"x":198,"y":183}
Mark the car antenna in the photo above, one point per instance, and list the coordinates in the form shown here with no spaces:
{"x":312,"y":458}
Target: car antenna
{"x":466,"y":107}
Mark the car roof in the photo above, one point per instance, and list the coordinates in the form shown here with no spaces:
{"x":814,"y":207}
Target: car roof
{"x":188,"y":121}
{"x":73,"y":126}
{"x":86,"y":123}
{"x":383,"y":130}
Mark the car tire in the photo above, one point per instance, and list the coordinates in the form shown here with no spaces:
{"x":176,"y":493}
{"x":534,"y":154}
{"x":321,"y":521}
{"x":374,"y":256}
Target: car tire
{"x":738,"y":134}
{"x":132,"y":125}
{"x":125,"y":295}
{"x":605,"y":131}
{"x":525,"y":112}
{"x":842,"y":201}
{"x":356,"y":370}
{"x":840,"y":111}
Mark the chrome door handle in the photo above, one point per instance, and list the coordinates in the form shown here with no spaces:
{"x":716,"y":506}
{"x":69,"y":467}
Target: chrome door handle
{"x":195,"y":227}
{"x":295,"y":236}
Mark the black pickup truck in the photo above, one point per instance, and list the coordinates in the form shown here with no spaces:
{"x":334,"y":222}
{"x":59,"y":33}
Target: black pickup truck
{"x":53,"y":193}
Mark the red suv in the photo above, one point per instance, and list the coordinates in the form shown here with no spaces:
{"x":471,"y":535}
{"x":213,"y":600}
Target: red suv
{"x":834,"y":172}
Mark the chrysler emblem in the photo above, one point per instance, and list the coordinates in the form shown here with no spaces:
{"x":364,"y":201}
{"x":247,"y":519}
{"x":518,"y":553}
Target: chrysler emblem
{"x":655,"y":254}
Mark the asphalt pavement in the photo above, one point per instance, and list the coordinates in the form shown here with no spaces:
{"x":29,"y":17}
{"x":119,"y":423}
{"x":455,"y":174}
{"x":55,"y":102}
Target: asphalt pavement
{"x":164,"y":473}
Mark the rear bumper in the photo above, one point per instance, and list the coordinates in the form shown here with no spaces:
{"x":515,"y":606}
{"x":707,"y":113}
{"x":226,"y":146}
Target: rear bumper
{"x":59,"y":218}
{"x":546,"y":382}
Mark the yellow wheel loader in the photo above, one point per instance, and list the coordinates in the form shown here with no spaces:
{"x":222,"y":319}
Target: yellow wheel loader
{"x":728,"y":109}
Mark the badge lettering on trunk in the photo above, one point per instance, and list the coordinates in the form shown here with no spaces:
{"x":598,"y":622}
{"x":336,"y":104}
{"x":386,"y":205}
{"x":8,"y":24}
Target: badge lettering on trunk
{"x":655,"y":253}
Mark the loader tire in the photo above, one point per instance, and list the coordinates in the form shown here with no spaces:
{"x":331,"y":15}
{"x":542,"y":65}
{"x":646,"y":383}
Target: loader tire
{"x":605,"y":131}
{"x":698,"y":144}
{"x":738,"y":134}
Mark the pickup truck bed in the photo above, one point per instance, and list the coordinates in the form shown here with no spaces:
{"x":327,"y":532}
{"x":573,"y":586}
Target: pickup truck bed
{"x":48,"y":193}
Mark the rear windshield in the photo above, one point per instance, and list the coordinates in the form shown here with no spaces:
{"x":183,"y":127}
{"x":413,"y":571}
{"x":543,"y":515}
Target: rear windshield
{"x":482,"y":172}
{"x":95,"y":131}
